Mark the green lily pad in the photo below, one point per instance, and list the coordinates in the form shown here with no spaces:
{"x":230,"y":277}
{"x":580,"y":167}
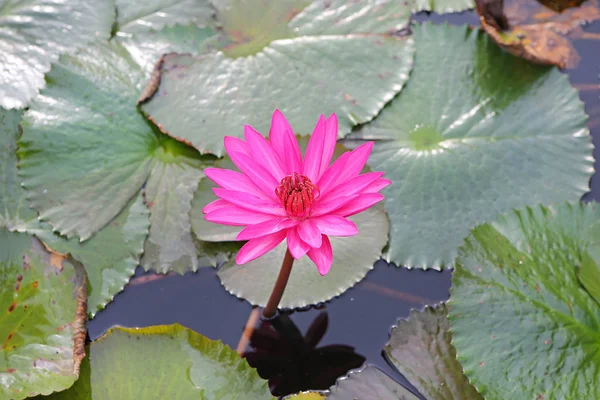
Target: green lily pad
{"x":35,"y":32}
{"x":420,"y":349}
{"x":164,"y":362}
{"x":475,"y":133}
{"x":14,"y":210}
{"x":353,"y":257}
{"x":79,"y":189}
{"x":524,"y":327}
{"x":371,"y":383}
{"x":307,"y":396}
{"x":589,"y":275}
{"x":200,"y":99}
{"x":109,"y":257}
{"x":443,"y":6}
{"x":42,"y":329}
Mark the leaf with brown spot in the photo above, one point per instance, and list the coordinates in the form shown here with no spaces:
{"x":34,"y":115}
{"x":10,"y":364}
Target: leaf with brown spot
{"x":42,"y":321}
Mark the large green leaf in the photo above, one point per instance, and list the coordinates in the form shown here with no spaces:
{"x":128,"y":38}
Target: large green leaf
{"x":109,"y":257}
{"x":421,"y":350}
{"x":14,"y":210}
{"x":164,"y":362}
{"x":476,"y":132}
{"x":34,"y":32}
{"x":81,"y":169}
{"x":369,"y":383}
{"x":442,"y":6}
{"x":315,"y":66}
{"x":523,"y":325}
{"x":353,"y":257}
{"x":42,"y":318}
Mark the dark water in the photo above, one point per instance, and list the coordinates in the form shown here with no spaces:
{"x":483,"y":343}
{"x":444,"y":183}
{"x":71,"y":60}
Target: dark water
{"x":362,"y":316}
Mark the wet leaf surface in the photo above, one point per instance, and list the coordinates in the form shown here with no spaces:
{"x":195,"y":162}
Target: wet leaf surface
{"x":246,"y":83}
{"x":517,"y":306}
{"x":35,"y":32}
{"x":476,"y":132}
{"x":420,"y":349}
{"x":167,"y":361}
{"x":42,"y":318}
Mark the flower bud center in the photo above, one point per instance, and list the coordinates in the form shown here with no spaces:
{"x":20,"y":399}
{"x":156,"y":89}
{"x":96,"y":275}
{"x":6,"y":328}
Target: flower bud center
{"x":297,"y":194}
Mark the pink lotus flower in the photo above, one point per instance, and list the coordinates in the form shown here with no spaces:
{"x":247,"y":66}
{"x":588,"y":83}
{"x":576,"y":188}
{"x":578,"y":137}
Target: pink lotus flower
{"x":278,"y":195}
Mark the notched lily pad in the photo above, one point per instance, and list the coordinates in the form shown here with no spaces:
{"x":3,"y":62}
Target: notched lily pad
{"x":43,"y":314}
{"x":371,"y":383}
{"x":164,"y":362}
{"x":517,"y":306}
{"x":475,"y":133}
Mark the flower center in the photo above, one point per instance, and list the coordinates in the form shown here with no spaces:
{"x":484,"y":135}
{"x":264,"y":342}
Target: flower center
{"x":297,"y":193}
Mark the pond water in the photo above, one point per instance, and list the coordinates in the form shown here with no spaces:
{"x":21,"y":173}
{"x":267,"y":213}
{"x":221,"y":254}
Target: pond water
{"x":361,"y":317}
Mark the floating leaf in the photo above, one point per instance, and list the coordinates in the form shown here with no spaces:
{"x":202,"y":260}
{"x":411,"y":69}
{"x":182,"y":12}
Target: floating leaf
{"x":14,"y":210}
{"x":420,"y":349}
{"x":443,"y":6}
{"x":42,"y":303}
{"x":35,"y":32}
{"x":523,"y":325}
{"x":81,"y":169}
{"x":353,"y":257}
{"x":170,"y":362}
{"x":370,"y":383}
{"x":109,"y":257}
{"x":247,"y":81}
{"x":307,"y":396}
{"x":476,"y":132}
{"x":589,"y":276}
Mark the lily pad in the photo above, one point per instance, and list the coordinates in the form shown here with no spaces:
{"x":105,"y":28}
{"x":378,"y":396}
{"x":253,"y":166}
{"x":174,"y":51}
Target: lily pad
{"x":161,"y":362}
{"x":14,"y":210}
{"x":353,"y":257}
{"x":200,"y":99}
{"x":78,"y":189}
{"x":475,"y":133}
{"x":420,"y":349}
{"x":524,"y":326}
{"x":35,"y":32}
{"x":589,"y":276}
{"x":109,"y":257}
{"x":42,"y":298}
{"x":307,"y":396}
{"x":443,"y":6}
{"x":370,"y":383}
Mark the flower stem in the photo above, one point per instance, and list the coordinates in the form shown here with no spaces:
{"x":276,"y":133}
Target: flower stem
{"x":282,"y":279}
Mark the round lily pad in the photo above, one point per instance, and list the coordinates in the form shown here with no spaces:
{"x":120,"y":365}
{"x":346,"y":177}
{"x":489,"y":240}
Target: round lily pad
{"x":371,"y":383}
{"x":420,"y":349}
{"x":81,"y":169}
{"x":524,"y":326}
{"x":42,"y":310}
{"x":476,"y":132}
{"x":271,"y":62}
{"x":164,"y":362}
{"x":353,"y":257}
{"x":35,"y":32}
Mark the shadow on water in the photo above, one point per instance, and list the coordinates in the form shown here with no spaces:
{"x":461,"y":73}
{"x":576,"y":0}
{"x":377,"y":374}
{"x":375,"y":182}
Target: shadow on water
{"x":320,"y":343}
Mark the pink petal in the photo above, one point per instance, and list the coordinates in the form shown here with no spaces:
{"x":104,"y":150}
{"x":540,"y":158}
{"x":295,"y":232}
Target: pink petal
{"x":322,"y":208}
{"x":258,"y":247}
{"x":360,"y":204}
{"x":236,"y":216}
{"x":262,"y":150}
{"x":297,"y":246}
{"x":285,"y":144}
{"x":236,"y":144}
{"x":335,"y":225}
{"x":323,"y":256}
{"x":331,"y":134}
{"x":353,"y":186}
{"x":318,"y":148}
{"x":229,"y":179}
{"x":252,"y":203}
{"x":309,"y":233}
{"x":256,"y":173}
{"x":215,"y":205}
{"x":356,"y":161}
{"x":376,"y":186}
{"x":331,"y":174}
{"x":265,"y":228}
